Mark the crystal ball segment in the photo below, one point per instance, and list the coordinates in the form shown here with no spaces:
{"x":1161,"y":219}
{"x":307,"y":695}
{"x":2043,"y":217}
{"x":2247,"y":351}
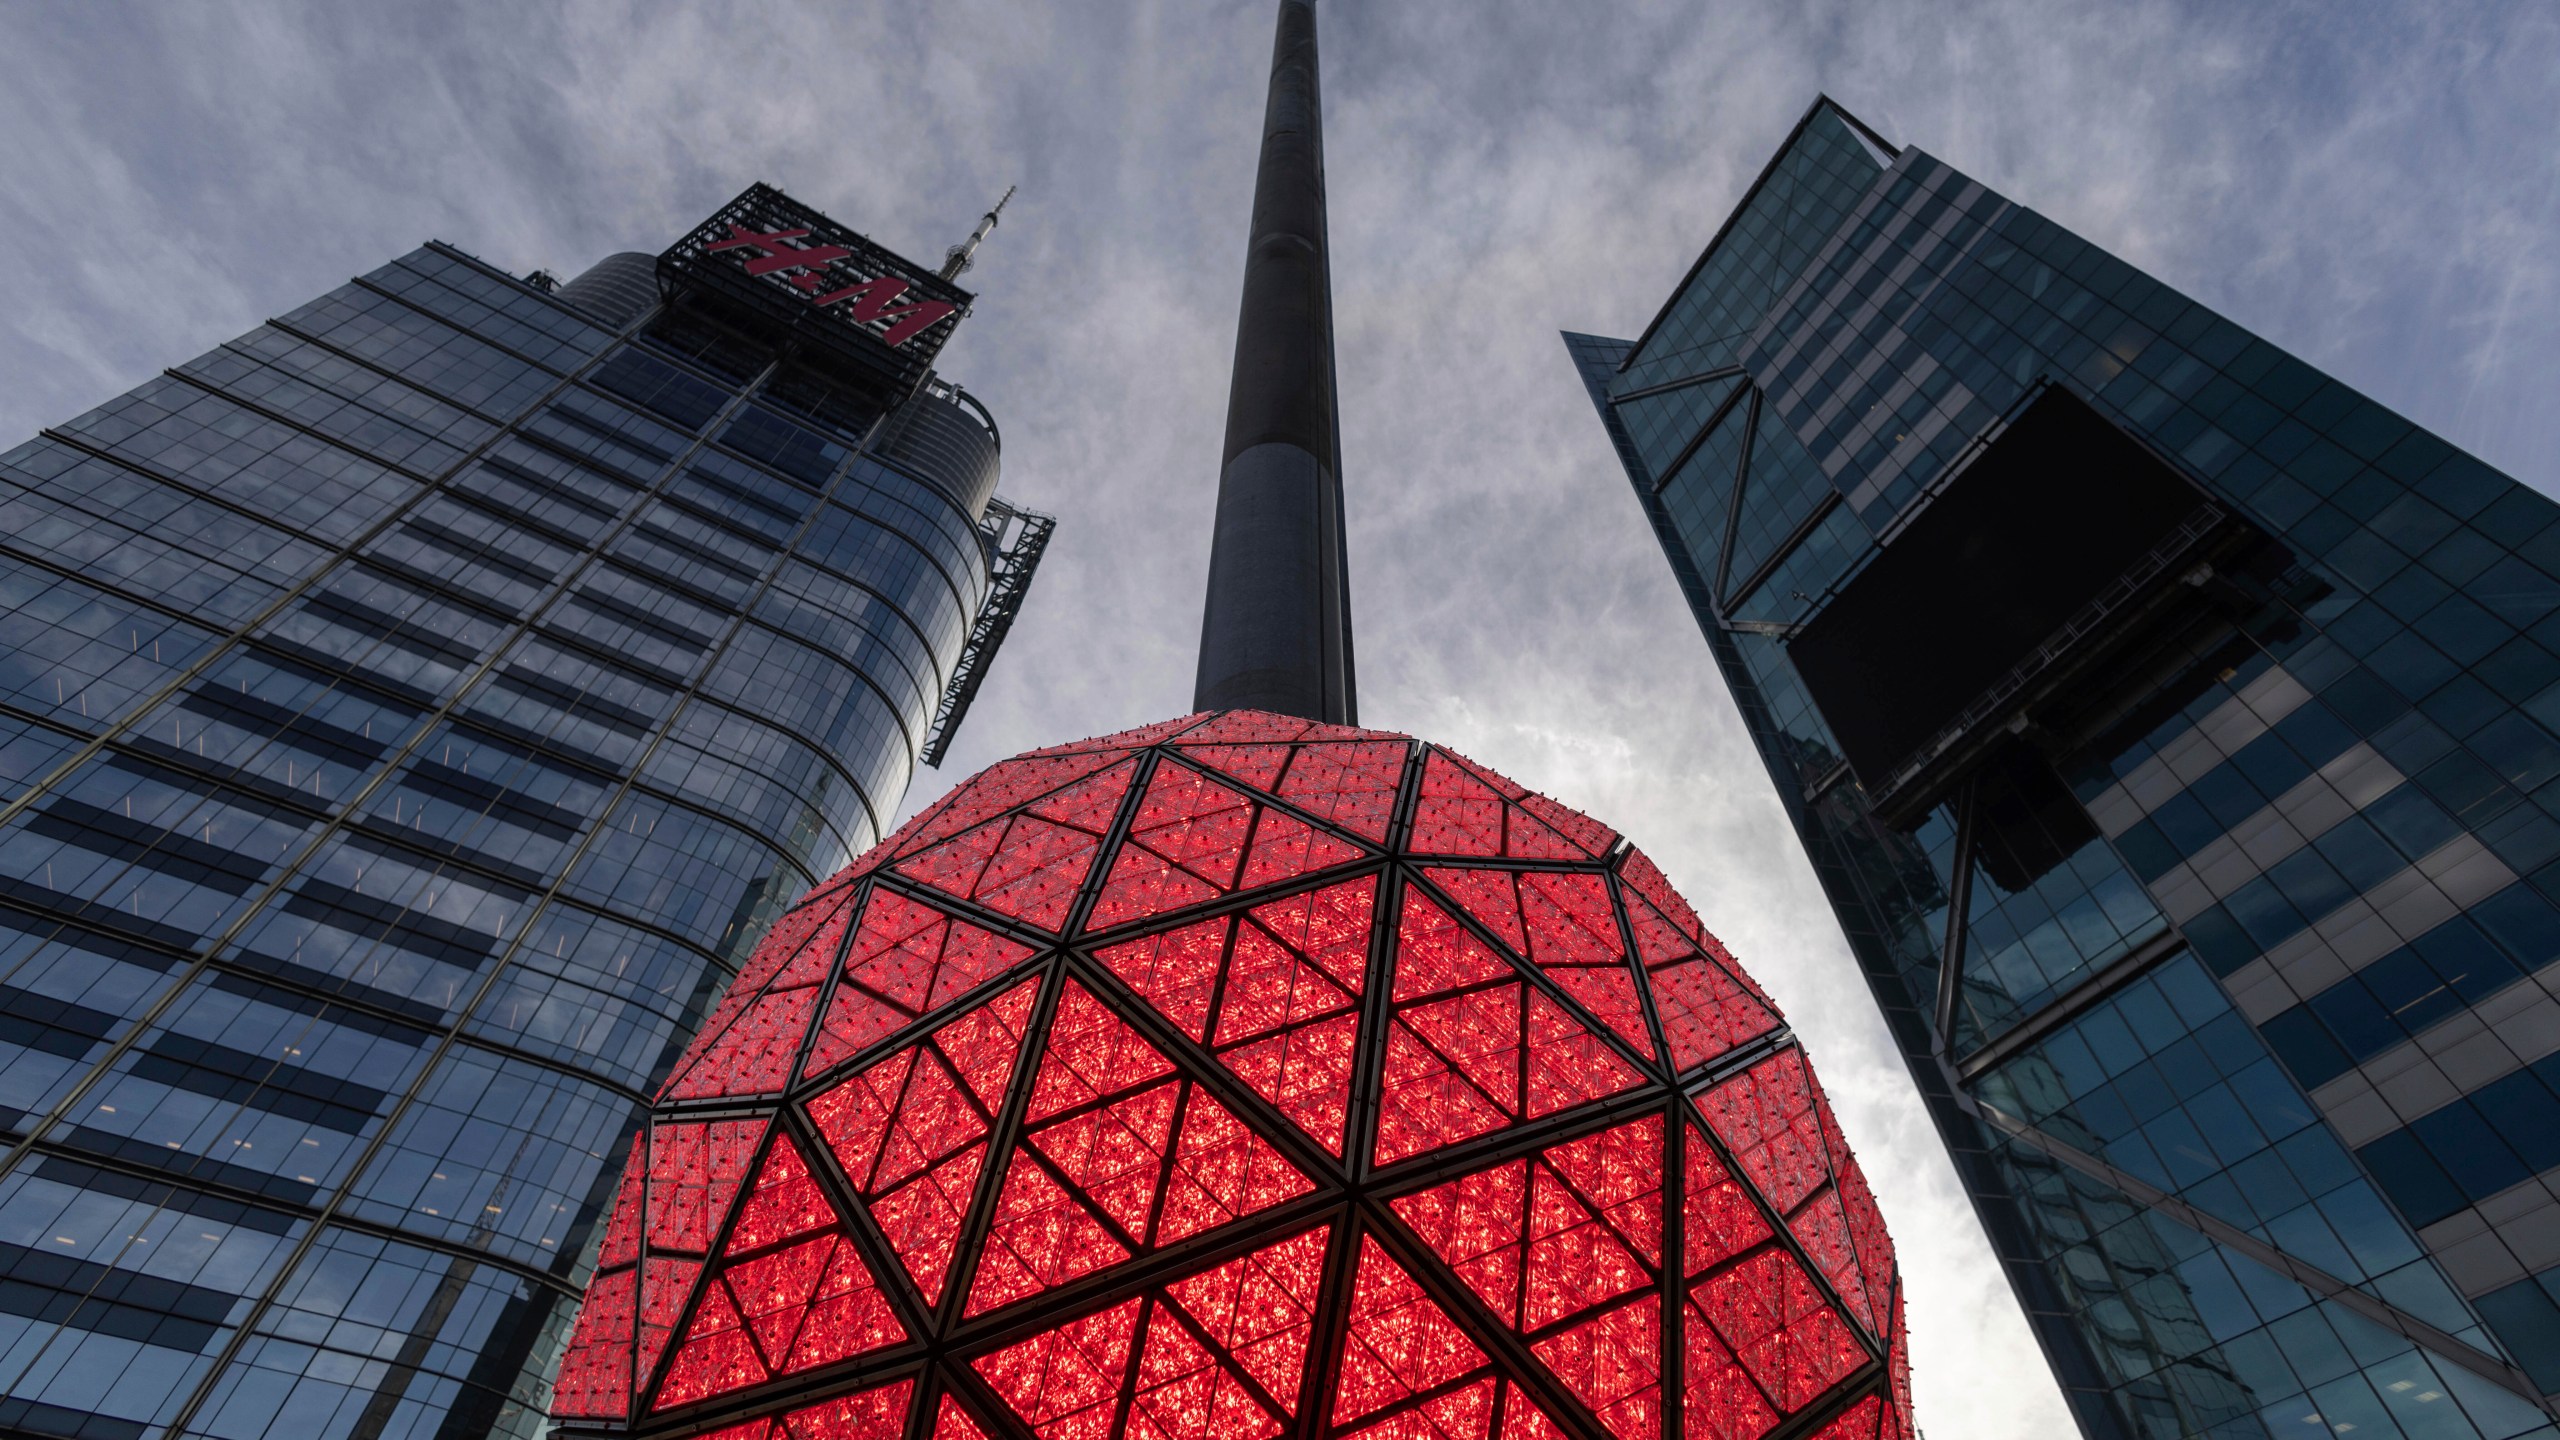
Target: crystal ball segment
{"x":1233,"y":1078}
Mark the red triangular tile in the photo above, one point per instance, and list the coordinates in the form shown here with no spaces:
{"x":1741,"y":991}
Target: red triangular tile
{"x":1329,"y":926}
{"x":1568,"y":1065}
{"x":868,"y":1415}
{"x":1564,"y":924}
{"x":847,"y":1317}
{"x":998,"y":788}
{"x":1250,"y":727}
{"x":665,"y":1285}
{"x":1090,"y":805}
{"x":1090,"y":1053}
{"x":1523,"y":1420}
{"x":1397,"y":1343}
{"x":954,"y":865}
{"x":1719,"y":1399}
{"x":1261,"y":1309}
{"x":1177,"y":971}
{"x":1866,"y":1231}
{"x":1465,"y":1413}
{"x":1183,"y":1393}
{"x":950,"y":1422}
{"x":595,"y":1371}
{"x":1705,"y":1010}
{"x":1065,"y":1383}
{"x":1131,"y":1155}
{"x":1587,"y":834}
{"x":1115,"y":1155}
{"x":1458,"y":814}
{"x":1478,"y":1032}
{"x":1285,"y":847}
{"x":1619,"y":1170}
{"x":934,"y":1119}
{"x":1270,"y":988}
{"x":906,"y":959}
{"x":1477,"y":1224}
{"x":922,"y":1218}
{"x":909,"y":1130}
{"x":1221,"y":1171}
{"x":1197,"y":823}
{"x":1027,"y":865}
{"x":1466,"y":809}
{"x":1349,"y":785}
{"x":1035,"y":876}
{"x":1765,"y":1116}
{"x":1718,"y":1219}
{"x":1491,"y":896}
{"x":1821,"y":1225}
{"x":1575,"y":1261}
{"x":785,"y":1201}
{"x":981,"y":1044}
{"x":1862,"y":1421}
{"x":695,"y":1172}
{"x":1188,"y":844}
{"x":716,"y":1355}
{"x":1435,"y":954}
{"x":1613,"y":1364}
{"x":773,"y":1292}
{"x":854,"y":1115}
{"x":1768,"y":1313}
{"x":747,"y":1045}
{"x":621,"y":1244}
{"x":1138,"y":738}
{"x":753,"y":1054}
{"x":1144,"y":884}
{"x":1424,"y":1104}
{"x":1609,"y":993}
{"x":1258,"y":766}
{"x":1306,"y":1072}
{"x":1040,"y":1238}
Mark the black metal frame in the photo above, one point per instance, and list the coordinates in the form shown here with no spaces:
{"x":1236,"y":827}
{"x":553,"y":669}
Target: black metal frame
{"x":853,"y":355}
{"x":1013,"y":566}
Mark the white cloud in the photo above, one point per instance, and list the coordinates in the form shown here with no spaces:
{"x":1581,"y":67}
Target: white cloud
{"x":2372,"y":186}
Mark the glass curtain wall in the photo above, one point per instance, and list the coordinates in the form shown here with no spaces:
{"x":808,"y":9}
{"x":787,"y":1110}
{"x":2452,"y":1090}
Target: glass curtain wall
{"x":410,"y":712}
{"x":2224,"y":969}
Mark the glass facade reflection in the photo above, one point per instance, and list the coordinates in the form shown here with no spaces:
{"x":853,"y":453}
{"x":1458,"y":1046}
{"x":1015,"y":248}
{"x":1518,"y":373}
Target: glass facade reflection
{"x":2172,"y":729}
{"x":411,"y":713}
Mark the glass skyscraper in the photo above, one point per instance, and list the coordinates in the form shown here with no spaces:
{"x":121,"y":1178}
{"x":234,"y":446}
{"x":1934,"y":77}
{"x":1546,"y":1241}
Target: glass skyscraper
{"x":410,"y":714}
{"x":2172,"y":729}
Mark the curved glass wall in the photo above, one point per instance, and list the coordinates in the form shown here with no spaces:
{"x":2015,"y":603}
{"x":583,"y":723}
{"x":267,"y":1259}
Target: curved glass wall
{"x":409,"y":714}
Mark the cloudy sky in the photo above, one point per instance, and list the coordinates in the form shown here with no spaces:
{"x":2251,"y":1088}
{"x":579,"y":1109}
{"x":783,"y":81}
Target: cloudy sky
{"x":2370,"y":185}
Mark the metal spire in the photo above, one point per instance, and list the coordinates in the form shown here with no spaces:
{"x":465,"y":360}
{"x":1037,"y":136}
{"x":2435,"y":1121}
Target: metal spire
{"x":957,"y":259}
{"x":1276,"y":634}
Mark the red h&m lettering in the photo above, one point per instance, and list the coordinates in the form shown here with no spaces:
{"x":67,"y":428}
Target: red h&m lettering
{"x":778,"y":256}
{"x":873,"y":299}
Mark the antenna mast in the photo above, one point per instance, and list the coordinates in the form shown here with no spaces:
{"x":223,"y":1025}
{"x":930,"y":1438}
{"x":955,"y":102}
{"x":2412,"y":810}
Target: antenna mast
{"x":959,"y":257}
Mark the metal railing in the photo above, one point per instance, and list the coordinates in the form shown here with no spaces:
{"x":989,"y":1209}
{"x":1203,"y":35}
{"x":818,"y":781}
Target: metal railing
{"x":1014,"y":537}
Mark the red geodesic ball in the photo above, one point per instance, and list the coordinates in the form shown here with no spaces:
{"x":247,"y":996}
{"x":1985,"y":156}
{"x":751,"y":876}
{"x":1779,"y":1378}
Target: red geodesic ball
{"x":1235,"y":1078}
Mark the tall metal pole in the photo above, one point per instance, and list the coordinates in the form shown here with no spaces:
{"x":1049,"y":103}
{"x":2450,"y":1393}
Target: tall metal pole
{"x":1276,"y":634}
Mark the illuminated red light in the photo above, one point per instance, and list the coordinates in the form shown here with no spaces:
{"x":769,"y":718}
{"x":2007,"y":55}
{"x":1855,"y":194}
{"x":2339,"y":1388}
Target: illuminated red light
{"x":1234,"y":1078}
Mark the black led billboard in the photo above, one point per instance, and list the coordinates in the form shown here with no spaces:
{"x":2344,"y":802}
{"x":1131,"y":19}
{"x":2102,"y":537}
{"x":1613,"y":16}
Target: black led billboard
{"x":2042,"y":521}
